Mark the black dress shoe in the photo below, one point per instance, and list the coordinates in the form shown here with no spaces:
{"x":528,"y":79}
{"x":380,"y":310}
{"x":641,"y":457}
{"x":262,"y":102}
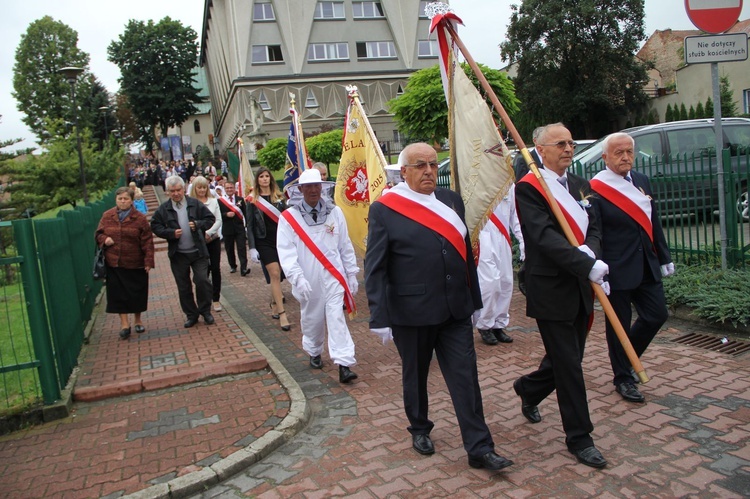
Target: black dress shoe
{"x":501,"y":336}
{"x":244,"y":272}
{"x":233,"y":270}
{"x":629,"y":392}
{"x":209,"y":319}
{"x":346,"y":375}
{"x":316,"y":362}
{"x":140,"y":329}
{"x":125,"y":333}
{"x":491,"y":461}
{"x":191,"y":322}
{"x":590,"y":456}
{"x":487,"y":336}
{"x":530,"y":412}
{"x":422,"y":444}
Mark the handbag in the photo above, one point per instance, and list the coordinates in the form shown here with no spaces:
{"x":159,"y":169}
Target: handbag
{"x":100,"y":267}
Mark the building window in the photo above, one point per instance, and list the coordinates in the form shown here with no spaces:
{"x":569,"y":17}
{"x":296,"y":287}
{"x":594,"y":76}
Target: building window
{"x":329,"y":10}
{"x":267,"y":53}
{"x":422,"y":6}
{"x":263,"y":102}
{"x":428,"y":48}
{"x":328,"y":52}
{"x":399,"y":90}
{"x":364,"y":10}
{"x":197,"y":126}
{"x":746,"y":98}
{"x":263,"y":11}
{"x":311,"y":101}
{"x":376,"y":50}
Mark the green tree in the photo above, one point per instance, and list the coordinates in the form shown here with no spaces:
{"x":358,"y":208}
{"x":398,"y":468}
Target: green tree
{"x":728,"y":104}
{"x":683,"y":112}
{"x":325,"y":147}
{"x":669,"y":114}
{"x":576,"y":61}
{"x":273,"y":155}
{"x":156,"y":63}
{"x":130,"y":133}
{"x":691,"y":113}
{"x":421,"y":112}
{"x":709,"y":108}
{"x":699,"y":111}
{"x":42,"y":92}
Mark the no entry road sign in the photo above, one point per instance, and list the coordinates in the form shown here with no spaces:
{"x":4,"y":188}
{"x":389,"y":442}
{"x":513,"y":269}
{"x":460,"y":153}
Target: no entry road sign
{"x":713,"y":16}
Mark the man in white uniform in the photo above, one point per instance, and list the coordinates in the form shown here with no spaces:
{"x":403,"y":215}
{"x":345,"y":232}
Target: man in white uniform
{"x":495,"y":270}
{"x":318,"y":260}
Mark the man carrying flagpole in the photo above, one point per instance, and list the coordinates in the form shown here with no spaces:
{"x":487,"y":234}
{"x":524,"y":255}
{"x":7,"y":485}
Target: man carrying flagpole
{"x":318,"y":260}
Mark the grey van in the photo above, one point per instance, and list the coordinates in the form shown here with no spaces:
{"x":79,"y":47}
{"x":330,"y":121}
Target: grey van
{"x":679,"y":157}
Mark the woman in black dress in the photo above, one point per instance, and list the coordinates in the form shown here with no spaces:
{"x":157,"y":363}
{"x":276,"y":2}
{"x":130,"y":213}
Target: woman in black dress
{"x":262,"y":220}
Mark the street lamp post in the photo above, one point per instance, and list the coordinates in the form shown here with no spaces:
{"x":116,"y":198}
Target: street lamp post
{"x":71,"y":74}
{"x":104,"y":110}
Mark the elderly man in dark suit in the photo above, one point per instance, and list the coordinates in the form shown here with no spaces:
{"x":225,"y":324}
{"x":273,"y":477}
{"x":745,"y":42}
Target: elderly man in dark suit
{"x":636,"y":251}
{"x":558,"y":293}
{"x":422,"y":289}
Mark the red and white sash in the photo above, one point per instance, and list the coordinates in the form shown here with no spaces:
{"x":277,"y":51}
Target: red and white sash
{"x":428,"y":211}
{"x":270,"y":210}
{"x":574,"y":213}
{"x":501,"y":227}
{"x":295,"y":221}
{"x":230,"y":204}
{"x":623,"y":194}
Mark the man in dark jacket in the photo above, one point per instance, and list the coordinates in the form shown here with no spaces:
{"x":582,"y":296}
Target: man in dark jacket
{"x":233,"y":229}
{"x":182,"y":221}
{"x":422,"y":288}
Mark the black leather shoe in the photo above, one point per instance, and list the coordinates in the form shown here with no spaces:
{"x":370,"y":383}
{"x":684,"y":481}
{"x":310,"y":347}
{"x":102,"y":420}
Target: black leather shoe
{"x":209,"y":319}
{"x":244,"y":272}
{"x":530,"y":412}
{"x":629,"y":392}
{"x":422,"y":444}
{"x":501,"y":336}
{"x":233,"y":270}
{"x":140,"y":329}
{"x":590,"y":456}
{"x":346,"y":375}
{"x":491,"y":461}
{"x":125,"y":333}
{"x":316,"y":362}
{"x":487,"y":336}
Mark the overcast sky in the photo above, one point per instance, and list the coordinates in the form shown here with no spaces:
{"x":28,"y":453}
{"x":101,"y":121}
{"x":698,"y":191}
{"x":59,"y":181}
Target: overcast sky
{"x":98,"y":23}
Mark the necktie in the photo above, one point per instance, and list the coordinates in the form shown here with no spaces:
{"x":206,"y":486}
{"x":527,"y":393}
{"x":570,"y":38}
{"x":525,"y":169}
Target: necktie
{"x":563,"y":181}
{"x":314,"y":214}
{"x":627,"y":177}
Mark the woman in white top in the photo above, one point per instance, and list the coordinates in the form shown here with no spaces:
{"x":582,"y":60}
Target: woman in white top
{"x":202,"y":193}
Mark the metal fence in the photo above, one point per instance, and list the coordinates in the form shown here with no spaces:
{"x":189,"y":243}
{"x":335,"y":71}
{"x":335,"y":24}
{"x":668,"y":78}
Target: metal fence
{"x":49,"y":295}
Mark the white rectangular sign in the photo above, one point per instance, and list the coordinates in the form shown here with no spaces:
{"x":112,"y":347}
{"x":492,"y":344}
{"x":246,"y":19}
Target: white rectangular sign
{"x":716,"y":48}
{"x":713,"y":4}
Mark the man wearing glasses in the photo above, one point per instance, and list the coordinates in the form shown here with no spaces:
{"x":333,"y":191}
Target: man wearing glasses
{"x":422,"y":289}
{"x":558,"y":293}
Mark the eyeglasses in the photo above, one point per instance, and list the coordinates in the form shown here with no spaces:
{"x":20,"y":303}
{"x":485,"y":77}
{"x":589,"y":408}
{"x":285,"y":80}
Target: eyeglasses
{"x":422,"y":165}
{"x":562,"y":143}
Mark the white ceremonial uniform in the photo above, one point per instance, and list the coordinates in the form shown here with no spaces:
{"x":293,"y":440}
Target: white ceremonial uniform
{"x":325,"y":305}
{"x":495,"y":265}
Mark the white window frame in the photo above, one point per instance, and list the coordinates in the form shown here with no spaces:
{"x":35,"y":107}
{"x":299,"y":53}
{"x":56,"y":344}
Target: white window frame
{"x":431,"y":46}
{"x":268,"y":51}
{"x":337,"y":10}
{"x":311,"y":100}
{"x":335,"y":51}
{"x":265,"y":14}
{"x":374,"y":50}
{"x":367,"y":10}
{"x":263,"y":101}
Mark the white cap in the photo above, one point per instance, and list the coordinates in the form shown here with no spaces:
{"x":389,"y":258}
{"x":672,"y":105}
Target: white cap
{"x":310,"y":176}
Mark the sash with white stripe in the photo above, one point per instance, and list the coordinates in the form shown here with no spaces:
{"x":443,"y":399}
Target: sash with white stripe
{"x":236,"y":209}
{"x":270,"y":210}
{"x":624,"y":195}
{"x":428,"y":211}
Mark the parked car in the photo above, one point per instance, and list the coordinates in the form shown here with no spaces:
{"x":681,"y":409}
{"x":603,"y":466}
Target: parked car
{"x":680,"y":159}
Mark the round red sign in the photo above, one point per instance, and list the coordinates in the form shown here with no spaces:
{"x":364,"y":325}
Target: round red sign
{"x":713,"y":16}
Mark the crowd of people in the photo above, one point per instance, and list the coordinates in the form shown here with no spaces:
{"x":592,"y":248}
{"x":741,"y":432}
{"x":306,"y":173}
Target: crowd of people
{"x":426,"y":291}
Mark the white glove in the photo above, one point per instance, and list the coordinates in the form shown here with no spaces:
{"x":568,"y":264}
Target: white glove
{"x":254,"y":255}
{"x":385,"y":334}
{"x":598,"y":271}
{"x":587,"y":250}
{"x":303,"y":289}
{"x":605,"y":287}
{"x":353,"y":284}
{"x":667,"y":270}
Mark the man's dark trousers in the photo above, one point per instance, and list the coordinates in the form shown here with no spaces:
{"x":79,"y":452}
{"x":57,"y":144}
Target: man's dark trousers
{"x":182,"y":264}
{"x":450,"y":341}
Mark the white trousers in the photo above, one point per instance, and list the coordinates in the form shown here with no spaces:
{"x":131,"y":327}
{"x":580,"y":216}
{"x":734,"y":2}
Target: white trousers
{"x":495,"y":271}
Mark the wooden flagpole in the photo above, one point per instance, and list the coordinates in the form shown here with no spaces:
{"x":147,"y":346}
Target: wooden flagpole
{"x":598,"y":291}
